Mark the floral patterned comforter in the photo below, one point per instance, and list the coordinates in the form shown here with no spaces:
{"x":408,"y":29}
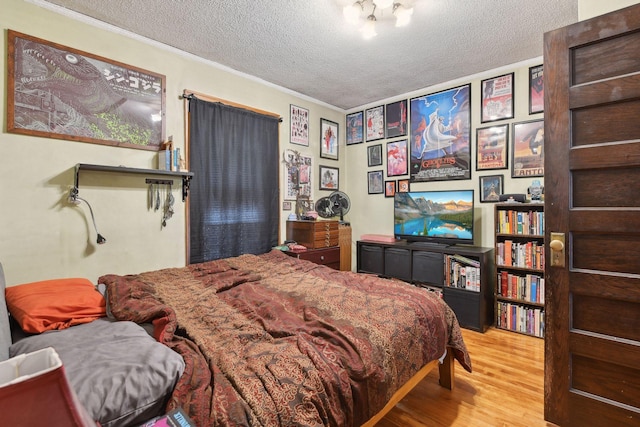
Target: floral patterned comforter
{"x":270,"y":340}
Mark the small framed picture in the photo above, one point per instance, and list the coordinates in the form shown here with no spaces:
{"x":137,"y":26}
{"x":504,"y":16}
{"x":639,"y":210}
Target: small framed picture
{"x":397,"y":159}
{"x":389,"y":188}
{"x":299,"y":130}
{"x":374,"y":182}
{"x":536,"y":89}
{"x":286,"y":206}
{"x":303,"y":205}
{"x":497,"y":98}
{"x":354,"y":128}
{"x":491,"y":188}
{"x":403,"y":186}
{"x":396,"y":119}
{"x":491,"y":147}
{"x":328,"y":139}
{"x":528,"y":149}
{"x":329,"y":178}
{"x":374,"y":120}
{"x":374,"y":155}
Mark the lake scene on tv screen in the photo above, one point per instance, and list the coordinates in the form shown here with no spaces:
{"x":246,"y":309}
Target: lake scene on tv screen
{"x":435,"y":214}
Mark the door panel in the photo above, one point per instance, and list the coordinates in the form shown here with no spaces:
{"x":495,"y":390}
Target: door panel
{"x":592,"y":180}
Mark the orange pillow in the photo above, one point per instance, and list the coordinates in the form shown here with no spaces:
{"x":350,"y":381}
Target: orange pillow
{"x":54,"y":304}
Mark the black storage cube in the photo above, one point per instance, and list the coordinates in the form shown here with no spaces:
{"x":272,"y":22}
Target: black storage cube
{"x":371,"y":259}
{"x":466,"y":305}
{"x":428,"y":268}
{"x":397,"y":263}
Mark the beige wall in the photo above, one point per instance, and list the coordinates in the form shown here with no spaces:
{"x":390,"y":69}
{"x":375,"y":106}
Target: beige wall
{"x":590,"y":8}
{"x":374,"y":213}
{"x":41,"y":235}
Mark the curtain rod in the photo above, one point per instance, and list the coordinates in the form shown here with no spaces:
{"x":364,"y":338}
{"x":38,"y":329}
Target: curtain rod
{"x":188,"y":94}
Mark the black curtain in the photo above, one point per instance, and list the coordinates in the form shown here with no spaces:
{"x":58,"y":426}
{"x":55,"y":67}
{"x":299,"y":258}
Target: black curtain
{"x":233,"y":198}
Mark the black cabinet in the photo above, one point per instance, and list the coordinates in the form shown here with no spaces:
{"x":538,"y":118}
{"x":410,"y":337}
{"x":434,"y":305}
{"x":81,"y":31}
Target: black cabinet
{"x":465,"y":275}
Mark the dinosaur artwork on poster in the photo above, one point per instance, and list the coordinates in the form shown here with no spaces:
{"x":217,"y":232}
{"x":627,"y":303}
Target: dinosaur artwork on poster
{"x":60,"y":92}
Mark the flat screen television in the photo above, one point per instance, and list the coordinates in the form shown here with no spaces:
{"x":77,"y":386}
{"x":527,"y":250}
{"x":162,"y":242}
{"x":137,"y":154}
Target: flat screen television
{"x":439,"y":217}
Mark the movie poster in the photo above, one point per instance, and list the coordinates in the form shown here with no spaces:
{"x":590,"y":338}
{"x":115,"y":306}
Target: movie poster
{"x":536,"y":89}
{"x":60,"y":92}
{"x":528,"y":149}
{"x":497,"y":98}
{"x":441,"y":136}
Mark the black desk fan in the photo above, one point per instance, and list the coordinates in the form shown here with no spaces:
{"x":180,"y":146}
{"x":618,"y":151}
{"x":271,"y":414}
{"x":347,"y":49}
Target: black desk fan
{"x":336,"y":204}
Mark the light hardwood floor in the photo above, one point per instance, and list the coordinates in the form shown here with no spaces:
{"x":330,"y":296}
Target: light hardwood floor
{"x":504,"y":389}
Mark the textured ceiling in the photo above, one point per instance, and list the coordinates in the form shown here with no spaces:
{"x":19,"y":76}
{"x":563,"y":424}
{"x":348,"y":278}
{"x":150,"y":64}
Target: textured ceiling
{"x":306,"y":46}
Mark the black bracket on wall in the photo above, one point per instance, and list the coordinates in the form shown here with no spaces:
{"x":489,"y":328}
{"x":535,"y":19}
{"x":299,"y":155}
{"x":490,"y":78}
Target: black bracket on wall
{"x":186,"y":176}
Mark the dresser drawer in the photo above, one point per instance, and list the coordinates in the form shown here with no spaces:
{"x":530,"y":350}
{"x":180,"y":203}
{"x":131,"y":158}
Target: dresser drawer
{"x":314,"y":234}
{"x":323,"y":256}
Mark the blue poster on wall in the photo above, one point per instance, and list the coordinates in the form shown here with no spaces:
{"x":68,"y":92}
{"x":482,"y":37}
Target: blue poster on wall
{"x":441,"y":135}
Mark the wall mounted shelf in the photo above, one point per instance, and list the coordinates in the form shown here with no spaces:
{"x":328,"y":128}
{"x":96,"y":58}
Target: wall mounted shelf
{"x":185,"y":176}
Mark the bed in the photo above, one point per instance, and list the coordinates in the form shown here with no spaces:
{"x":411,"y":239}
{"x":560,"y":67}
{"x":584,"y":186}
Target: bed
{"x":277,"y":341}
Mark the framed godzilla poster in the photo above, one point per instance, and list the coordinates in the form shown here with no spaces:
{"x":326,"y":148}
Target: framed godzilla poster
{"x":56,"y":91}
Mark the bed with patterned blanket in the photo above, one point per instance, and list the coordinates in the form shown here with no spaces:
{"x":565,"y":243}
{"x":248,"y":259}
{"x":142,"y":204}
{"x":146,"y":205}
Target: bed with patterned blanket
{"x":271,"y":340}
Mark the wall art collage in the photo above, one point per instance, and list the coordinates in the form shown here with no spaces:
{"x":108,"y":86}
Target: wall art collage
{"x":435,"y":137}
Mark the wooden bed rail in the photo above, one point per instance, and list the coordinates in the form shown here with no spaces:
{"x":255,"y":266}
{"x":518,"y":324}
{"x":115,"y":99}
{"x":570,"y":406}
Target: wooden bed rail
{"x":447,"y":372}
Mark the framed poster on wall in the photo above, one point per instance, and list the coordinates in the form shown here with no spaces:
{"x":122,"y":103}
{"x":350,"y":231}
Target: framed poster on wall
{"x":297,"y":175}
{"x":536,"y":89}
{"x":374,"y":119}
{"x":528,"y":149}
{"x":491,"y":188}
{"x":441,"y":136}
{"x":390,"y":188}
{"x":354,"y":128}
{"x":299,"y":120}
{"x":328,"y":139}
{"x":497,"y":98}
{"x":396,"y":119}
{"x":329,"y":178}
{"x":374,"y":155}
{"x":491,"y":147}
{"x":374,"y":182}
{"x":56,"y":91}
{"x":397,"y":158}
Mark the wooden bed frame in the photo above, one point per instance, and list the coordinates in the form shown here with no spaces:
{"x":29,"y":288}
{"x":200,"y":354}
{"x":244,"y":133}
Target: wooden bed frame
{"x":447,"y":372}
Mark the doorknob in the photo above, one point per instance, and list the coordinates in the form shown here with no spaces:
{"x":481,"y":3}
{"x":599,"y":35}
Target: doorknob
{"x":557,"y":249}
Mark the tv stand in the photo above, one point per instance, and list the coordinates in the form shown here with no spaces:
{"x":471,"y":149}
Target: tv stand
{"x":438,"y":266}
{"x":430,"y":245}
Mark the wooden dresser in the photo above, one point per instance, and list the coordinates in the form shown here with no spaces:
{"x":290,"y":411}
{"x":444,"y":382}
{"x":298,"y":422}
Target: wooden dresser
{"x":313,"y":234}
{"x":345,"y":247}
{"x":322,"y":256}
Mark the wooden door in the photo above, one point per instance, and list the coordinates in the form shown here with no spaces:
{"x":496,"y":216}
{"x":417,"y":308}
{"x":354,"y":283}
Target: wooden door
{"x":592,"y":195}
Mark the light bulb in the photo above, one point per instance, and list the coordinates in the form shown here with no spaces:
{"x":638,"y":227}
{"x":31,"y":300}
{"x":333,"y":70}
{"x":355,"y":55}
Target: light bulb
{"x":369,"y":29}
{"x":383,"y":4}
{"x":351,"y":13}
{"x":403,"y":15}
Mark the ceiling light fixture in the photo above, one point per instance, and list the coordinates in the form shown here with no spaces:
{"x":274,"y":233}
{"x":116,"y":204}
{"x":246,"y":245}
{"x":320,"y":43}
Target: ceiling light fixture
{"x":354,"y":14}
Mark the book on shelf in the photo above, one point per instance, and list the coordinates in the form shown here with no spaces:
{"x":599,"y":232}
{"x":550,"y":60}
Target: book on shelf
{"x":521,"y":222}
{"x":519,"y":318}
{"x":465,"y":260}
{"x":462,"y":272}
{"x":169,"y":159}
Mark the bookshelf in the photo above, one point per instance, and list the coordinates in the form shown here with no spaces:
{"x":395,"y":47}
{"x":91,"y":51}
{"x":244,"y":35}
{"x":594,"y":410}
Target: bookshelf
{"x":520,"y":282}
